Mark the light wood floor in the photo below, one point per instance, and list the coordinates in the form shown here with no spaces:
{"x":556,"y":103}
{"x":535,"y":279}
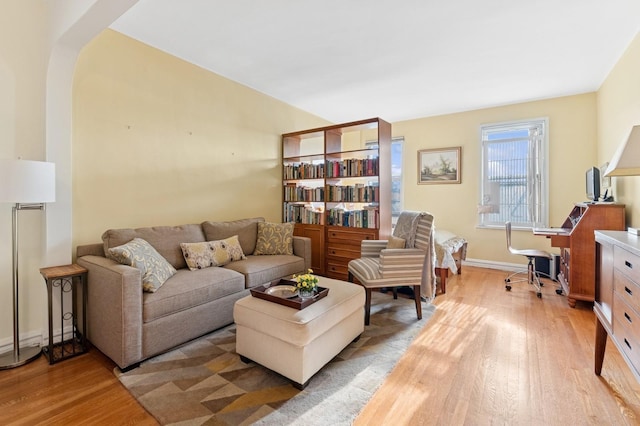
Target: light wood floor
{"x":486,"y":357}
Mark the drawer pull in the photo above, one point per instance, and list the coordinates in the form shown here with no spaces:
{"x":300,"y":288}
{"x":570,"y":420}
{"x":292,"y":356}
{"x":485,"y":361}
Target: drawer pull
{"x":626,"y":342}
{"x":333,"y":252}
{"x":628,"y":264}
{"x":628,"y":290}
{"x":626,"y":315}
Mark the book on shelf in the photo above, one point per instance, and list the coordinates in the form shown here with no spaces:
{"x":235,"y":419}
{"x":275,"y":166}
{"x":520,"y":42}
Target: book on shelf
{"x":368,"y":217}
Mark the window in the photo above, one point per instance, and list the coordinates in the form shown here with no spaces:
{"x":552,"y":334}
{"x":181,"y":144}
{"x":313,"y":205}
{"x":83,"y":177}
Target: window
{"x":514,"y":174}
{"x":396,"y":175}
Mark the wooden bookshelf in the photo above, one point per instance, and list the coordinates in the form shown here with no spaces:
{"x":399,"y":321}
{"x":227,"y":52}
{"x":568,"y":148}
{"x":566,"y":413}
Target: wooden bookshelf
{"x":337,"y":189}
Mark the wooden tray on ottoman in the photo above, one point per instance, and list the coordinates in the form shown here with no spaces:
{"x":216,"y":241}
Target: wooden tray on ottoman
{"x":294,"y":302}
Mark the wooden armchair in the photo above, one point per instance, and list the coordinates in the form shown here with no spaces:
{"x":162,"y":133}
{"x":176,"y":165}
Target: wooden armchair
{"x":412,"y":265}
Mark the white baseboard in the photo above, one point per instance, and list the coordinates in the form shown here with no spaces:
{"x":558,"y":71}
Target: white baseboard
{"x":33,"y":338}
{"x":490,"y":264}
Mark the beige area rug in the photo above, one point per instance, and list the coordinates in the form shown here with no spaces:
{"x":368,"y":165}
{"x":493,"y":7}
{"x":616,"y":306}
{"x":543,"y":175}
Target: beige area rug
{"x":204,"y":382}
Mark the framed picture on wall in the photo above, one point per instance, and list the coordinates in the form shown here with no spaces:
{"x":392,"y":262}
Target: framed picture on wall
{"x":440,"y":165}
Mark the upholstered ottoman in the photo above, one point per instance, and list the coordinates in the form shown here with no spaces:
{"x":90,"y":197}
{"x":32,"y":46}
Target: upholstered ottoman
{"x":298,"y":343}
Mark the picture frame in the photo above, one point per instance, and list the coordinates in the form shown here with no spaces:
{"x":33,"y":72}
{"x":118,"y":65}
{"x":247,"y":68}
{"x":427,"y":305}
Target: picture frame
{"x":440,"y":165}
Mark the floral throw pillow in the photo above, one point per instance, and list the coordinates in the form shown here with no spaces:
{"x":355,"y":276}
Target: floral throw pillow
{"x":212,"y":253}
{"x":274,"y":238}
{"x":141,"y":255}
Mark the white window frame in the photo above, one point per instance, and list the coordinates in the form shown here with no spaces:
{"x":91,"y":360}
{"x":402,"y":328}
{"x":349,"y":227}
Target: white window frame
{"x":493,"y":209}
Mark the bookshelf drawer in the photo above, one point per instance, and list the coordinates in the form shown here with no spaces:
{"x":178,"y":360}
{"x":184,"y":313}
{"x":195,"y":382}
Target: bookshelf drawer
{"x":350,"y":236}
{"x":342,"y":251}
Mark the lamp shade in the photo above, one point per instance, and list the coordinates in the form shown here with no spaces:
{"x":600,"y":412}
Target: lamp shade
{"x":626,"y":160}
{"x":24,"y":181}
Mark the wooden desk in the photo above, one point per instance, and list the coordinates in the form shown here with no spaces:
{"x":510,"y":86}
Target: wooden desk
{"x":576,"y":241}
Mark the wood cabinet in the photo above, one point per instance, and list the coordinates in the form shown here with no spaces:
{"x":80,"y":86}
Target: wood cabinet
{"x":337,"y":189}
{"x":617,"y":300}
{"x":316,"y":234}
{"x":343,"y":245}
{"x":577,"y":246}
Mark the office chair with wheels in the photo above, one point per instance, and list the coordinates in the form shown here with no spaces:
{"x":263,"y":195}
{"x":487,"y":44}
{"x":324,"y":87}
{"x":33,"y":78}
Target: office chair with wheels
{"x":532,"y":276}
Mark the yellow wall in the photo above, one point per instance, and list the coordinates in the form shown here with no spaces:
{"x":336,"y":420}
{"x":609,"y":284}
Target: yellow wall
{"x":24,"y":51}
{"x":159,"y":141}
{"x":572,"y":149}
{"x":618,"y":111}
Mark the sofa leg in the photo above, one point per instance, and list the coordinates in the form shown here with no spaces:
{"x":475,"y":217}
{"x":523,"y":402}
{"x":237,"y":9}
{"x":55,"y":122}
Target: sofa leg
{"x":130,"y":367}
{"x":245,"y":359}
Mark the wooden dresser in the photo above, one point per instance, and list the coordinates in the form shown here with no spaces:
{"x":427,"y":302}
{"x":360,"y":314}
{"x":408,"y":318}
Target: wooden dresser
{"x":617,"y":300}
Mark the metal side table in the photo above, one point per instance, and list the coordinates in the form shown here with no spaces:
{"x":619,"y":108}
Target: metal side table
{"x":72,"y":341}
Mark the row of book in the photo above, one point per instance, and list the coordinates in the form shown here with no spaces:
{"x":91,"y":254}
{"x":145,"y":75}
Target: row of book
{"x":303,"y":193}
{"x":302,"y":213}
{"x":303,"y":171}
{"x":356,"y":194}
{"x":333,"y":169}
{"x":352,"y":167}
{"x":368,"y":217}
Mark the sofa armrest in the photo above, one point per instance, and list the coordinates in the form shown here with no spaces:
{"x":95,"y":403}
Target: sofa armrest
{"x":114,"y":309}
{"x":302,"y":248}
{"x":96,"y":249}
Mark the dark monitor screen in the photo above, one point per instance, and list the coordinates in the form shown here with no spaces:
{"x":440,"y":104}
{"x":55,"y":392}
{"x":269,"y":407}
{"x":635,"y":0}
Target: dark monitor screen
{"x":592,"y":178}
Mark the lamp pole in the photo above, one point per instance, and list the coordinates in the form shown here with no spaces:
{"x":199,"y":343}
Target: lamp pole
{"x":18,"y":356}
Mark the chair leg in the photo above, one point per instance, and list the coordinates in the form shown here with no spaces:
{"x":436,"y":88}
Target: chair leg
{"x":416,"y":292}
{"x":367,"y":305}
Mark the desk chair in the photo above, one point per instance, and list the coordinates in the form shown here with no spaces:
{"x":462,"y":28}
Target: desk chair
{"x":532,"y":276}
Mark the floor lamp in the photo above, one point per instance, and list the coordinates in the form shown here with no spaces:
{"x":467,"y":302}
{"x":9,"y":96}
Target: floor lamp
{"x":27,"y":184}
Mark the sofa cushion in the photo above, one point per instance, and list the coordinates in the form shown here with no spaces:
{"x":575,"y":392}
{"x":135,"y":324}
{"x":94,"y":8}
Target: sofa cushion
{"x":155,"y":270}
{"x":187,"y":289}
{"x":212,"y":253}
{"x":259,"y":270}
{"x":245,"y":229}
{"x":274,"y":238}
{"x":165,"y":239}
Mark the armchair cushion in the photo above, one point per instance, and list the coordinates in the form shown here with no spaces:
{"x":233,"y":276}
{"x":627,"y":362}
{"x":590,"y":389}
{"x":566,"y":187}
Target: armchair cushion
{"x":396,"y":242}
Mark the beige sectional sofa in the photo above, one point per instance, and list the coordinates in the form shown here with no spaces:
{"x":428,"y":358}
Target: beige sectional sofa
{"x":129,"y":325}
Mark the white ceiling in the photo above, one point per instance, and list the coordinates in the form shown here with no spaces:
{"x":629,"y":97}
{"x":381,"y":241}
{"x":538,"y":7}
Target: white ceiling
{"x":346,"y":60}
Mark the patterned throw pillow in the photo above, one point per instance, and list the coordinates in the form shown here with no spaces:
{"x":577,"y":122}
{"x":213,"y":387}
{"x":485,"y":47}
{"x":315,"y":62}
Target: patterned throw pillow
{"x":141,"y":255}
{"x":274,"y":238}
{"x":212,"y":253}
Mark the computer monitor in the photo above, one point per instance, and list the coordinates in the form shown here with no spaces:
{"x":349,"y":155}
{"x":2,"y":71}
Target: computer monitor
{"x":592,"y":178}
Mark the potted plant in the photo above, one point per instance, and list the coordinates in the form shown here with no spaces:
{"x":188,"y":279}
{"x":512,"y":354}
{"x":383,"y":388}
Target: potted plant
{"x":306,"y":284}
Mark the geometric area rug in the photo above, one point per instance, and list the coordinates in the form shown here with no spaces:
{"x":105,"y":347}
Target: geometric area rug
{"x":204,"y":382}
